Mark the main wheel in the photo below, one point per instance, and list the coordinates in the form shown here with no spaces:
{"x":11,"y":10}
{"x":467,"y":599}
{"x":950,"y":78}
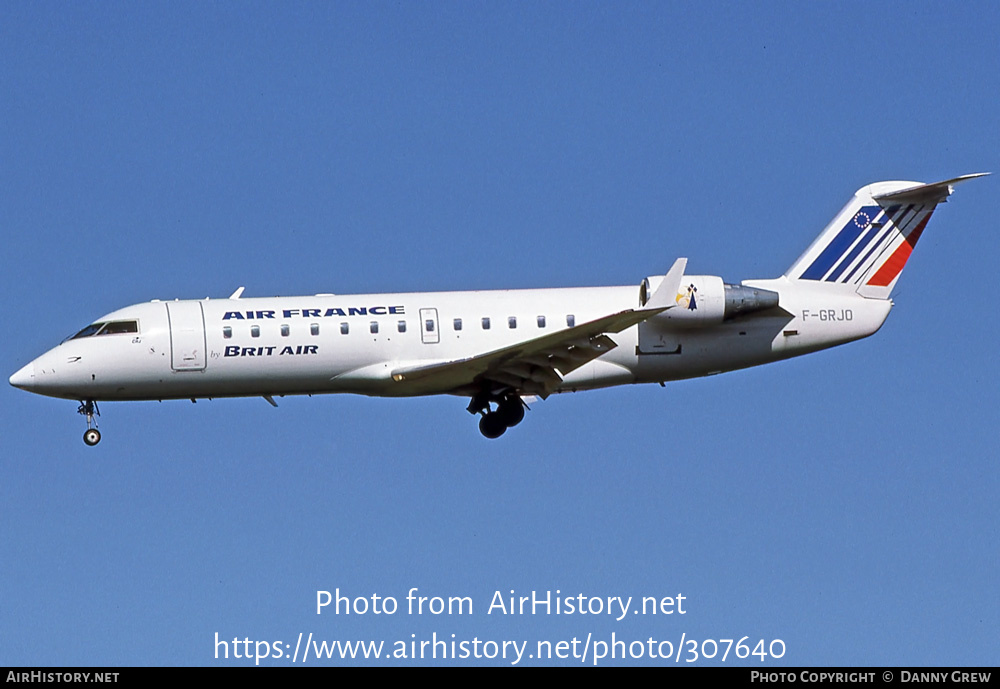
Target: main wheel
{"x":492,"y":425}
{"x":511,"y":410}
{"x":92,"y":436}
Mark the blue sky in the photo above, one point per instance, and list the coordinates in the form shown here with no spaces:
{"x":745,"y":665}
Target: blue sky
{"x":843,"y":502}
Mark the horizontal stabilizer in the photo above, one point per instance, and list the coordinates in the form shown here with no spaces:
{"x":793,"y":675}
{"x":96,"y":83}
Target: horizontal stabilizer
{"x":935,"y":192}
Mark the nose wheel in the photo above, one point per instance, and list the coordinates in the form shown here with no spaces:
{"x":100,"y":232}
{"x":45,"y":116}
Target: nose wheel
{"x":89,"y":409}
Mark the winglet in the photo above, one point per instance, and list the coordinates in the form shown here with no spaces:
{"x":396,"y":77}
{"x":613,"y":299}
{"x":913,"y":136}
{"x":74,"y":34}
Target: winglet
{"x":665,"y":296}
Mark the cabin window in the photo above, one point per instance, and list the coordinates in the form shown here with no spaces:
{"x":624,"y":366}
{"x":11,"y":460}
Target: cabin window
{"x":457,"y":323}
{"x":486,"y":323}
{"x":254,"y":331}
{"x":345,"y":328}
{"x":314,"y":328}
{"x":227,"y":332}
{"x":374,"y":327}
{"x":541,"y":321}
{"x":285,"y":330}
{"x":570,"y":320}
{"x":429,"y":325}
{"x":401,"y":326}
{"x":512,"y":322}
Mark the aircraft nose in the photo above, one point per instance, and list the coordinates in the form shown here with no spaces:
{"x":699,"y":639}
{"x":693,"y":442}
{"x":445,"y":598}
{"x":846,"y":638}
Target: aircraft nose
{"x":25,"y":378}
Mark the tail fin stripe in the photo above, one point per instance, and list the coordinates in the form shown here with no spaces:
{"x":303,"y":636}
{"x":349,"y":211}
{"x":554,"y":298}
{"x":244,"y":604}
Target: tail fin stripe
{"x":898,"y":225}
{"x":891,"y":221}
{"x":894,"y":265}
{"x":889,"y":245}
{"x":879,"y":228}
{"x":863,"y":261}
{"x":872,"y":248}
{"x":840,"y":244}
{"x":863,"y":244}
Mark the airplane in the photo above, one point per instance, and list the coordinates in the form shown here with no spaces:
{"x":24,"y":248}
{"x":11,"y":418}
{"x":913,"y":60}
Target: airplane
{"x":501,"y":349}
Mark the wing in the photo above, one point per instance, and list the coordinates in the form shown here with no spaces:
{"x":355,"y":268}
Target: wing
{"x":537,"y":366}
{"x":534,"y":367}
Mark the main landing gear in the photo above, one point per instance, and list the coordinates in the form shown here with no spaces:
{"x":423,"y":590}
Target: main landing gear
{"x":493,"y":424}
{"x":88,"y":408}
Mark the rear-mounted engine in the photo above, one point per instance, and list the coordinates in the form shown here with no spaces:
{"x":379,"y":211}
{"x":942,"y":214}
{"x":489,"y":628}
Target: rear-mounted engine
{"x":706,"y":300}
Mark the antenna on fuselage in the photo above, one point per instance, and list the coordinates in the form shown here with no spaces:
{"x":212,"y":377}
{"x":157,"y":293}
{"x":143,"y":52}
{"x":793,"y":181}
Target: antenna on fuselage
{"x":237,"y":293}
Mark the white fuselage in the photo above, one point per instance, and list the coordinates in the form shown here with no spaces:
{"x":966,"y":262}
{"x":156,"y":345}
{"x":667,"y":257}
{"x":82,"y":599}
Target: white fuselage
{"x":353,"y":343}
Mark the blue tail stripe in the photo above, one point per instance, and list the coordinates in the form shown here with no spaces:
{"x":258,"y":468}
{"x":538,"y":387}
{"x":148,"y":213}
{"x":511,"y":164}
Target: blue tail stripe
{"x":860,"y":246}
{"x":895,"y":220}
{"x":839,"y":270}
{"x":835,"y":249}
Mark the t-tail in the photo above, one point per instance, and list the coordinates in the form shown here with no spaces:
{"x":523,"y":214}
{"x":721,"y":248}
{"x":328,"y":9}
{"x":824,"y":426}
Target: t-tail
{"x":867,"y":244}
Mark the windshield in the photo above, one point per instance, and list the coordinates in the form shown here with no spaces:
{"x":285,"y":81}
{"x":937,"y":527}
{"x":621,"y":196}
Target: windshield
{"x":91,"y":329}
{"x":111,"y":328}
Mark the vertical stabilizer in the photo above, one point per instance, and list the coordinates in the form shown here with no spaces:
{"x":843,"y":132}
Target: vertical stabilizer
{"x":869,"y":241}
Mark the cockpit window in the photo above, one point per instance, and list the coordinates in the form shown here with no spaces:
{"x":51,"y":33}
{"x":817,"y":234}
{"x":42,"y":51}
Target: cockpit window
{"x":88,"y":331}
{"x":112,"y":328}
{"x":119,"y":327}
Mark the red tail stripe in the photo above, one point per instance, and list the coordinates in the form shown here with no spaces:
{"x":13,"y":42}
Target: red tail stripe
{"x":894,"y":265}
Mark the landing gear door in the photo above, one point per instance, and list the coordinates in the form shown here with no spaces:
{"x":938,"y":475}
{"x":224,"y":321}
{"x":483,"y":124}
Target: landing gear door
{"x":429,"y":326}
{"x":187,"y":335}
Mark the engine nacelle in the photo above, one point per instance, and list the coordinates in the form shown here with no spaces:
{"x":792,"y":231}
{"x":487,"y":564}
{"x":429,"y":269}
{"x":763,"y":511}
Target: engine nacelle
{"x":706,"y":300}
{"x":700,"y":301}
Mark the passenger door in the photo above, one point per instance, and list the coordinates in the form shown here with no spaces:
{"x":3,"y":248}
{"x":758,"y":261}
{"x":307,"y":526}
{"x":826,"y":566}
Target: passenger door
{"x":187,"y":335}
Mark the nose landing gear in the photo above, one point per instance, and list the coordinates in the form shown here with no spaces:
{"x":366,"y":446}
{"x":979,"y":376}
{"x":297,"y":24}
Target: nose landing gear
{"x":88,"y":408}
